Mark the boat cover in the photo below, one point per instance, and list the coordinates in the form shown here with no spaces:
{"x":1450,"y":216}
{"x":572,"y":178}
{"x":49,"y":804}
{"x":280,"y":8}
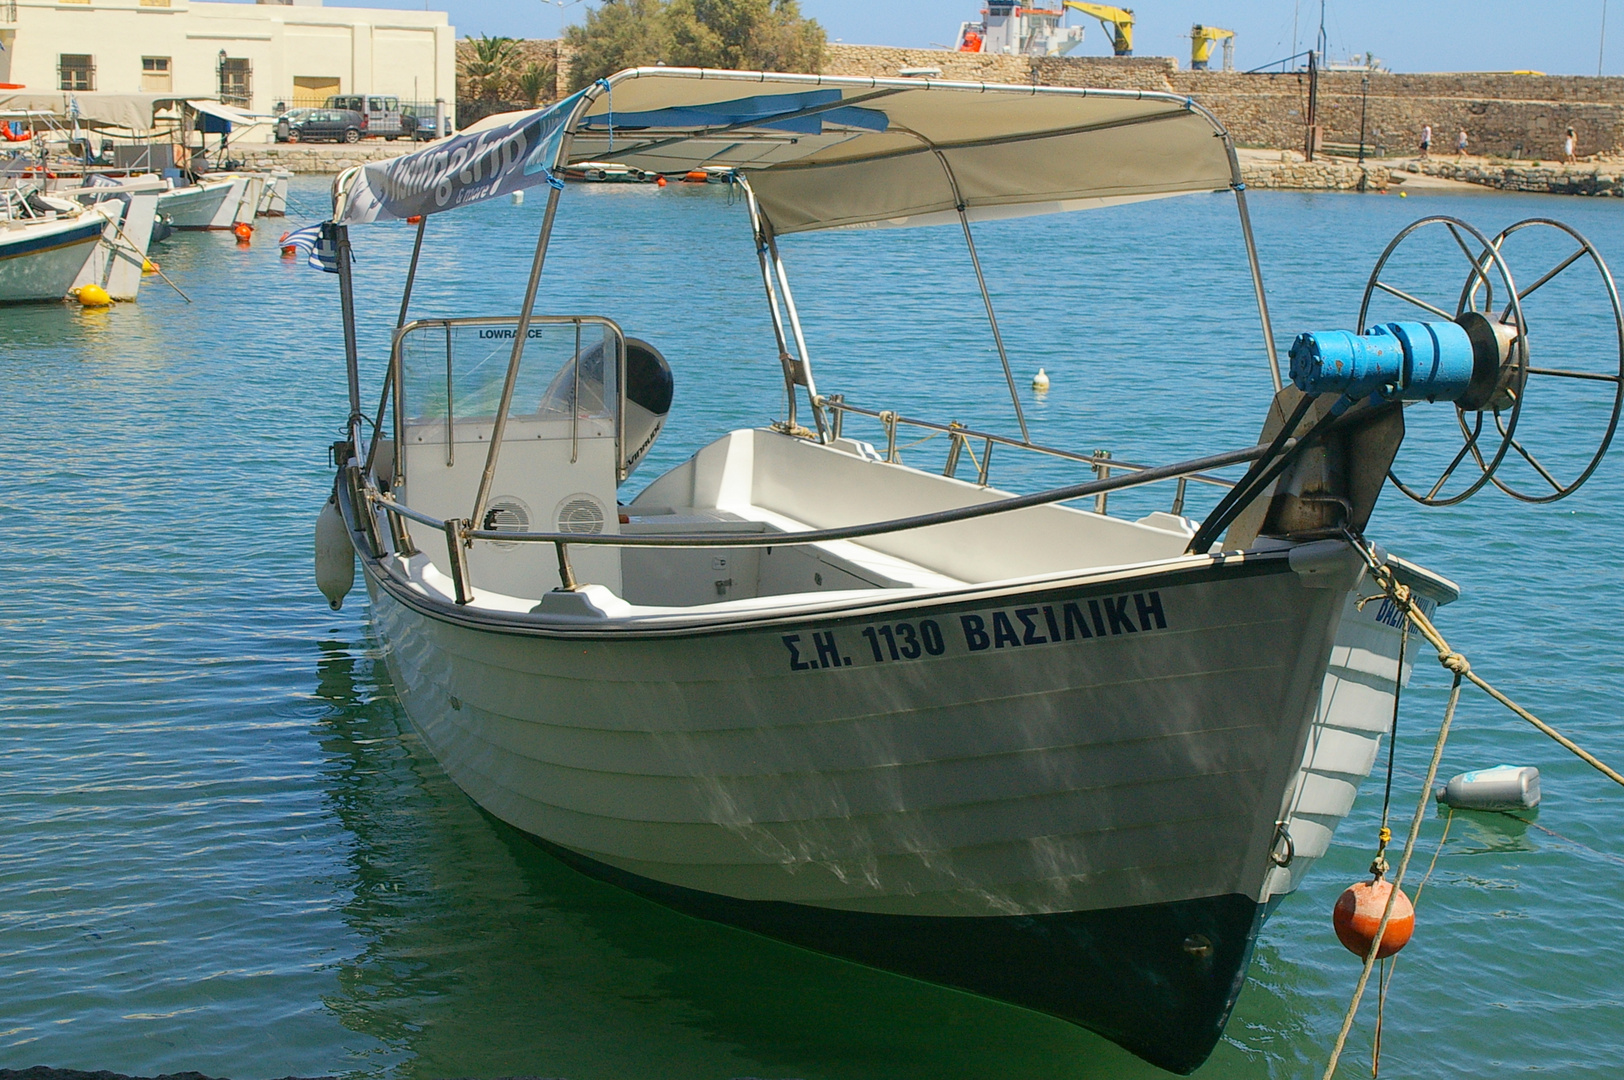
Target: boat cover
{"x":130,"y":111}
{"x":827,"y":152}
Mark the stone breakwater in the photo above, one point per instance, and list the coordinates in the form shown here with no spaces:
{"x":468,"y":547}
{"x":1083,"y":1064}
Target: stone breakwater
{"x":1288,"y":171}
{"x":1601,"y":177}
{"x":317,"y":158}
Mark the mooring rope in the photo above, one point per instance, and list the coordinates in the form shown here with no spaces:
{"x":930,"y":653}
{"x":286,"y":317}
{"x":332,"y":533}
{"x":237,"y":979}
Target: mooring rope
{"x":1456,"y":663}
{"x":1391,"y":969}
{"x":1402,"y":596}
{"x":1460,"y":668}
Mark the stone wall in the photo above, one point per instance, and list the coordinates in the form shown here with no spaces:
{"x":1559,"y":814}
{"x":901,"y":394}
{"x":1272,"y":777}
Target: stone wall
{"x":1510,"y":116}
{"x":1523,"y":116}
{"x":317,"y":158}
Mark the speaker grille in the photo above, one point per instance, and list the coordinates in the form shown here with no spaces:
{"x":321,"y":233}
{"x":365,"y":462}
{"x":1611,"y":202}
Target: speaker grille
{"x":580,"y":514}
{"x":506,"y":514}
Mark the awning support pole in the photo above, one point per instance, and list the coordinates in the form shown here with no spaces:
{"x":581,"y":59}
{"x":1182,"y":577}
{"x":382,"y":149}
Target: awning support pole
{"x":986,"y":298}
{"x":389,"y":373}
{"x":1257,"y":286}
{"x":800,"y":339}
{"x":352,"y":357}
{"x":521,"y":334}
{"x":759,"y":227}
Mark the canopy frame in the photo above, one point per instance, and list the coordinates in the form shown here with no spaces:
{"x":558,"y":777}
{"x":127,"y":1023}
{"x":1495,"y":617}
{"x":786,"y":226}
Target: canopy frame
{"x":798,"y":368}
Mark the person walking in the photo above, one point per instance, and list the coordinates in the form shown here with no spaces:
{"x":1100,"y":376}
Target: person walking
{"x":1426,"y":141}
{"x":1460,"y":143}
{"x":1568,"y":146}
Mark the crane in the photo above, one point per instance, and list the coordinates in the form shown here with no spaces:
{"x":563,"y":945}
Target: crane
{"x":1118,"y":20}
{"x":1203,"y":38}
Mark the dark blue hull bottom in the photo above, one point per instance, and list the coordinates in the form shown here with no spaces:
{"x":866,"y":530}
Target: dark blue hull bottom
{"x":1158,"y":980}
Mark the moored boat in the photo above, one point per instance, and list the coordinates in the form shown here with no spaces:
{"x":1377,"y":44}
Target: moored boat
{"x":45,"y":243}
{"x":210,"y":203}
{"x":1032,"y":750}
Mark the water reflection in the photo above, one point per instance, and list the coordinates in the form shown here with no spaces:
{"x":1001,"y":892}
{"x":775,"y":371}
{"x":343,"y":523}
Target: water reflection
{"x":484,"y":956}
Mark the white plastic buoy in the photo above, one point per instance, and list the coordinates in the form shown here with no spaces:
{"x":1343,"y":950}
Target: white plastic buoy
{"x":335,"y":555}
{"x":1504,"y":787}
{"x":517,"y":198}
{"x":1040,"y":381}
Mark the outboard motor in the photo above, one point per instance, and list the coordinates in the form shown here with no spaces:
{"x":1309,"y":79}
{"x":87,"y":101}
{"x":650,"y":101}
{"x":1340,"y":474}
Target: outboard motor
{"x":649,"y":386}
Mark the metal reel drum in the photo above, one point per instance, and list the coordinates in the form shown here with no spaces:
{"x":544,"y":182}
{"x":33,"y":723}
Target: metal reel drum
{"x":1495,"y":390}
{"x":1608,"y":379}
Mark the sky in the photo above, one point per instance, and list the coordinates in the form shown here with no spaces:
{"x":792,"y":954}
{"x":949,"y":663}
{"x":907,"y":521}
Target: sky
{"x":1555,"y":36}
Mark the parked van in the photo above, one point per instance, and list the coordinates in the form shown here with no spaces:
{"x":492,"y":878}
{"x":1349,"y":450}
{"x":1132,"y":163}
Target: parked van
{"x":383,"y":116}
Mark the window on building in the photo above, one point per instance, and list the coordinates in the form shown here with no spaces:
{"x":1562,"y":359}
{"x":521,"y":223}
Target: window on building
{"x":156,"y":76}
{"x":236,"y":78}
{"x":77,"y":71}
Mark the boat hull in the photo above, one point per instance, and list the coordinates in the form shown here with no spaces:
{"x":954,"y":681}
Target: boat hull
{"x":1159,"y":980}
{"x":200,"y":206}
{"x":41,"y":262}
{"x":1064,"y":797}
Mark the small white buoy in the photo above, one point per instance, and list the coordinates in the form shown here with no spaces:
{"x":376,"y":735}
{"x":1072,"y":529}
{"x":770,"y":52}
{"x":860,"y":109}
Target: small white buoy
{"x":517,"y":198}
{"x":335,"y":555}
{"x":1040,"y":382}
{"x":1504,"y":787}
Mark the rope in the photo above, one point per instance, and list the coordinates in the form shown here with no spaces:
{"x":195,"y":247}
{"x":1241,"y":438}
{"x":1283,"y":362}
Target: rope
{"x":1389,"y":970}
{"x":1454,"y":661}
{"x":1457,"y":663}
{"x":1460,"y":668}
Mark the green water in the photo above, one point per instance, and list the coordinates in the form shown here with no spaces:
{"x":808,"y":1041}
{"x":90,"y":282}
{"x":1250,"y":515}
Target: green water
{"x":222,"y":849}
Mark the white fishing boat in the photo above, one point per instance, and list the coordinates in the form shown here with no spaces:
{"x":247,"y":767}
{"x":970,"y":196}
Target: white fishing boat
{"x":210,"y":203}
{"x":45,"y":243}
{"x":1035,"y":751}
{"x":130,"y":204}
{"x":273,"y":200}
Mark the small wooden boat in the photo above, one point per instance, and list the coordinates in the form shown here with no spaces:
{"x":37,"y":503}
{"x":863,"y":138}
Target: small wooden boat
{"x":1032,"y":750}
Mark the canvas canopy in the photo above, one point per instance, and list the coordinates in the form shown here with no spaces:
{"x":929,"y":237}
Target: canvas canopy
{"x":219,"y":111}
{"x":827,"y":152}
{"x":130,"y":111}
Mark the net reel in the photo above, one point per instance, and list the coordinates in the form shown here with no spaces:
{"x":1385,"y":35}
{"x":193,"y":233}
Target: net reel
{"x":1491,"y":310}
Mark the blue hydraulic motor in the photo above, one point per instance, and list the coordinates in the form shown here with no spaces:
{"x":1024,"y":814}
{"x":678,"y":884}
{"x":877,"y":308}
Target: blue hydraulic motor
{"x":1404,"y":361}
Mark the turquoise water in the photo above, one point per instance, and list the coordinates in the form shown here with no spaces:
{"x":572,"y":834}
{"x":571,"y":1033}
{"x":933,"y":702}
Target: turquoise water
{"x":222,"y":849}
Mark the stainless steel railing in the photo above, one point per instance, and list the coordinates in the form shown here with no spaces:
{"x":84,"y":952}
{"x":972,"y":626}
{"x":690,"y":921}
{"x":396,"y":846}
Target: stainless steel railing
{"x":461,"y":534}
{"x":960,"y":436}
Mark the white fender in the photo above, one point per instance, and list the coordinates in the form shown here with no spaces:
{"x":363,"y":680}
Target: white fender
{"x":335,"y":555}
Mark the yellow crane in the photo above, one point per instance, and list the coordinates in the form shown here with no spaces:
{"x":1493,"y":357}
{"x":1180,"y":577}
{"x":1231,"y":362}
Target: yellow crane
{"x":1118,"y":20}
{"x":1203,"y":38}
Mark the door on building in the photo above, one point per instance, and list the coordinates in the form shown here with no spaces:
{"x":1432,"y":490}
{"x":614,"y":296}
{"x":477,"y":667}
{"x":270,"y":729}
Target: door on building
{"x":312,"y":91}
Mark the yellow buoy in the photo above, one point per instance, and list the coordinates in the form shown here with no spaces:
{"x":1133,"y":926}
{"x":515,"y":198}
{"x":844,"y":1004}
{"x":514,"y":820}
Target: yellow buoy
{"x":1404,"y":194}
{"x":148,"y":266}
{"x":93,"y":296}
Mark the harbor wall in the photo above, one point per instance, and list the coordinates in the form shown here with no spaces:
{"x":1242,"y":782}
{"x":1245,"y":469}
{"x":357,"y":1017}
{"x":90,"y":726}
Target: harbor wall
{"x":1505,"y":115}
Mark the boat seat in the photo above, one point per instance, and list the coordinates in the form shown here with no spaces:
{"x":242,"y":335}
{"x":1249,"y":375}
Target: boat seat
{"x":896,"y":573}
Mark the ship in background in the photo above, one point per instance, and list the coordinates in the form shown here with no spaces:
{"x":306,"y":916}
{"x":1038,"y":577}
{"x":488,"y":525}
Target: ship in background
{"x":1026,"y":31}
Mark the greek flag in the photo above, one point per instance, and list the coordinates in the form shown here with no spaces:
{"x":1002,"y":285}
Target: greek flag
{"x":318,"y":242}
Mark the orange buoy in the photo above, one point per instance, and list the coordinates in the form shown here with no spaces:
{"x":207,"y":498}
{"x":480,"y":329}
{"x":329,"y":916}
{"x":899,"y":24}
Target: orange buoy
{"x":1358,"y":912}
{"x":659,"y":182}
{"x":243,"y":230}
{"x":414,"y":219}
{"x":696,"y":176}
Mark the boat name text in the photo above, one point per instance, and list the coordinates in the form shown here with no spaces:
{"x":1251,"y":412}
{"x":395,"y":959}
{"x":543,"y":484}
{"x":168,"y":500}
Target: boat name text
{"x":1011,"y":628}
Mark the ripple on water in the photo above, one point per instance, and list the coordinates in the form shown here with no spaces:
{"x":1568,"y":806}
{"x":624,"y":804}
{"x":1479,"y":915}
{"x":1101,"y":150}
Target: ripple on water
{"x":223,"y":851}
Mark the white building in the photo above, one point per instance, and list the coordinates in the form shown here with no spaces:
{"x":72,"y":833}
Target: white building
{"x":254,"y":55}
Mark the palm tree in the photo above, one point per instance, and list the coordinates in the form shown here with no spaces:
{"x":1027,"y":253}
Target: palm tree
{"x":536,"y":82}
{"x":487,"y":70}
